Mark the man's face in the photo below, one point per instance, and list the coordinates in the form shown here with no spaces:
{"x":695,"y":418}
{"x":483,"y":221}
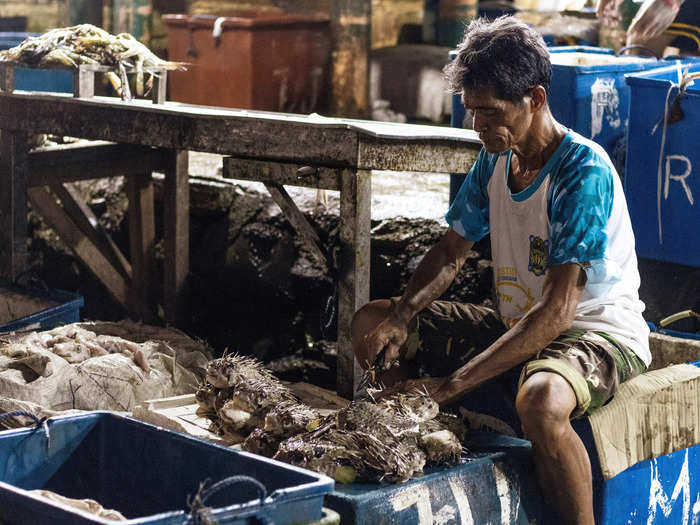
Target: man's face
{"x":501,"y":124}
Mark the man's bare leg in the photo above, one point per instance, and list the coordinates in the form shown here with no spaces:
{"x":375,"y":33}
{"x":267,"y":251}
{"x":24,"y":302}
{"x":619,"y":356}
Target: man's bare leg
{"x":364,"y":321}
{"x":544,"y":403}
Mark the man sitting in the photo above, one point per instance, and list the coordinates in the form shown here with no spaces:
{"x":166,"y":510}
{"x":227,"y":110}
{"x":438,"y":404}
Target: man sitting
{"x":564,"y":265}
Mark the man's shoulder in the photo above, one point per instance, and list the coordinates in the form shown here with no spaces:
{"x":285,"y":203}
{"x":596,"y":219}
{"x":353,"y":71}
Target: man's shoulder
{"x":583,"y":157}
{"x":587,"y":152}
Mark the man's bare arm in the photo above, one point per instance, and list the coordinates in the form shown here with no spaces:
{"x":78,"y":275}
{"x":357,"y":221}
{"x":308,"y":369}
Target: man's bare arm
{"x":545,"y":321}
{"x":433,"y":276}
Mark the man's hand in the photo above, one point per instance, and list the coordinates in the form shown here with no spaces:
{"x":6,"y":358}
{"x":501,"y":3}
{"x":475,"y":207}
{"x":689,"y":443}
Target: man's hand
{"x":432,"y":385}
{"x":389,"y":335}
{"x":652,"y":19}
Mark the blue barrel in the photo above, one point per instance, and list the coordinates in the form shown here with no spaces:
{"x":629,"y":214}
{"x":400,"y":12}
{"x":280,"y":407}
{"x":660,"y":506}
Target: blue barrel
{"x":663,"y":165}
{"x":588,"y":94}
{"x":57,"y":80}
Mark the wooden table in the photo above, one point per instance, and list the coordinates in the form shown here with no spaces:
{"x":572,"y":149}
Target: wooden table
{"x":277,"y":149}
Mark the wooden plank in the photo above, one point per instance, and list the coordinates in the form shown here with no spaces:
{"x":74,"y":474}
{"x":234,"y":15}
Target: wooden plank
{"x":142,"y":237}
{"x":298,"y":221}
{"x":13,"y":204}
{"x":160,"y":85}
{"x":350,"y":23}
{"x":353,"y":285}
{"x":67,"y":163}
{"x":317,"y":397}
{"x":81,"y":214}
{"x":283,"y":173}
{"x":177,"y":233}
{"x":83,"y":82}
{"x":7,"y":77}
{"x":179,"y":413}
{"x":45,"y":204}
{"x":425,"y":154}
{"x":178,"y":126}
{"x":299,"y":139}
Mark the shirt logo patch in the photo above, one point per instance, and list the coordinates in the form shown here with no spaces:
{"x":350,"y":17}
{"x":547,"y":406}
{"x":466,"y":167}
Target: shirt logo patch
{"x":539,"y":253}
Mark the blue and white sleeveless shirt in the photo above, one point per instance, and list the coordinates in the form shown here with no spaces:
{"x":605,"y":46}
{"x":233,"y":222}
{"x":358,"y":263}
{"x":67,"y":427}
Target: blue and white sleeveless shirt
{"x":574,"y":211}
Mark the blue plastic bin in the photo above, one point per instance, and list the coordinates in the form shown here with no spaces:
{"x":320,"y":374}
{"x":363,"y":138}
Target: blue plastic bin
{"x":495,"y":483}
{"x":146,"y":473}
{"x":588,"y":94}
{"x":56,"y":307}
{"x":663,"y":167}
{"x":57,"y":80}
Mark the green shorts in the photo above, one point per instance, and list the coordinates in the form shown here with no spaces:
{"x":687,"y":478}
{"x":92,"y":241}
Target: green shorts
{"x":447,"y":334}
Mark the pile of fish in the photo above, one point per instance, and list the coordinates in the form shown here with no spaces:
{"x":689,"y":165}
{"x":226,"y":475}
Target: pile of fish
{"x":88,"y":44}
{"x":388,"y":440}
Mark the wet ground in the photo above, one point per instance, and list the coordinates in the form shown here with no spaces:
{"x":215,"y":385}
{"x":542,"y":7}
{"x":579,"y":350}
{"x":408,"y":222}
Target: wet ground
{"x":394,"y":194}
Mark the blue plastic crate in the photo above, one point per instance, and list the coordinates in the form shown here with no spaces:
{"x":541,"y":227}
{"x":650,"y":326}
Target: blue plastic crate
{"x":663,"y":167}
{"x":495,"y":483}
{"x":589,"y":95}
{"x":663,"y":489}
{"x":66,"y":311}
{"x":146,"y":473}
{"x":57,"y":80}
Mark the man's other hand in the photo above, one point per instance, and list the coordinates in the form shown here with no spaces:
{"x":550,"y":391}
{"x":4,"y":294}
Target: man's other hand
{"x":652,"y":19}
{"x":432,"y":385}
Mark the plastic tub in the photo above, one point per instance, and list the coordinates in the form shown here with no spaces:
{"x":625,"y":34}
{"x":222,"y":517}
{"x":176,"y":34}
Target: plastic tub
{"x":56,"y":80}
{"x":37,"y":309}
{"x":144,"y":472}
{"x":663,"y":166}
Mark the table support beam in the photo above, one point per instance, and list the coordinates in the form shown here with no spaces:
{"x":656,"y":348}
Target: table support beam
{"x":45,"y":204}
{"x":81,"y":214}
{"x":353,"y":285}
{"x":177,"y":233}
{"x":142,"y":238}
{"x":298,"y":221}
{"x":13,"y":204}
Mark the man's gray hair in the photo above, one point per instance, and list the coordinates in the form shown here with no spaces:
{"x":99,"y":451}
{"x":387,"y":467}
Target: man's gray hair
{"x":504,"y":55}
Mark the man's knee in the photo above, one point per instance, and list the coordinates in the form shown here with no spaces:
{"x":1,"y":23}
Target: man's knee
{"x":544,"y":400}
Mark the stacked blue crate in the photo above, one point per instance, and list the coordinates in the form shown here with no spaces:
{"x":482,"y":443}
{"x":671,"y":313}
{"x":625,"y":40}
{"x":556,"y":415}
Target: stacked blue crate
{"x":588,"y":94}
{"x":57,"y":80}
{"x":65,"y":309}
{"x":663,"y":163}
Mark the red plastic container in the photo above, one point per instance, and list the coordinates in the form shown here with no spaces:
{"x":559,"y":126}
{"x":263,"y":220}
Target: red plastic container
{"x":258,"y":61}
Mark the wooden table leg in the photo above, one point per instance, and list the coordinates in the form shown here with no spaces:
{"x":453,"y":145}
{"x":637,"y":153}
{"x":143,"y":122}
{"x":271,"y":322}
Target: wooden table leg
{"x":13,"y":204}
{"x":142,"y":240}
{"x":177,"y":233}
{"x":353,"y":292}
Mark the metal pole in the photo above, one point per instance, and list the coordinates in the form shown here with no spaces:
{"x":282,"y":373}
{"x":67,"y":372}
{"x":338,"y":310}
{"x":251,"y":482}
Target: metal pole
{"x":85,"y":12}
{"x":351,"y":24}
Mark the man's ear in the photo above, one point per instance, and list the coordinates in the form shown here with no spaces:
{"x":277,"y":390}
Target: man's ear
{"x":538,"y":98}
